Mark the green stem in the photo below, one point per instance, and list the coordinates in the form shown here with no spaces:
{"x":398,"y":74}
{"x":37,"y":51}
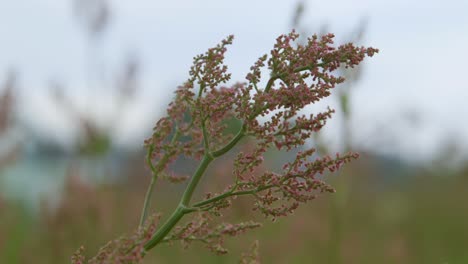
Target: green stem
{"x":231,"y":144}
{"x":149,"y":192}
{"x":165,"y":228}
{"x":213,"y":199}
{"x":206,"y":143}
{"x":231,"y":193}
{"x":182,"y":208}
{"x":195,"y":180}
{"x":155,"y":173}
{"x":270,"y":83}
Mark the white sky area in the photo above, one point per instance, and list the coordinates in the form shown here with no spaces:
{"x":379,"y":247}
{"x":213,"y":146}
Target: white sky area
{"x":411,"y":100}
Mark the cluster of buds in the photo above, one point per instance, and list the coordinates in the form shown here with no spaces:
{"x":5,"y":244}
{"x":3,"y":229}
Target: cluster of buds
{"x":201,"y":229}
{"x":126,"y":249}
{"x":269,"y":113}
{"x":300,"y":75}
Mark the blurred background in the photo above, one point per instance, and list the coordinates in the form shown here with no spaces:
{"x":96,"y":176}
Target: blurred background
{"x":82,"y":82}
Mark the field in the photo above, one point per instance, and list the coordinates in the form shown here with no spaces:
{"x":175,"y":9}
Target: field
{"x":419,"y":217}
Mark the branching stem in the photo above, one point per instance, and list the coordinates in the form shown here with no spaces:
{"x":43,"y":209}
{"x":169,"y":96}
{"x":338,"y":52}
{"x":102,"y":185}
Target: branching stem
{"x":155,"y":171}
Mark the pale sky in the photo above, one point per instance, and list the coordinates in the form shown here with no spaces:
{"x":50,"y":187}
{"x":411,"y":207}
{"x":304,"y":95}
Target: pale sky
{"x":419,"y":75}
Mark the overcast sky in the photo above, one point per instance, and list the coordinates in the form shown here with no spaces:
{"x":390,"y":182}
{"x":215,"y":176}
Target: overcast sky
{"x":410,"y":101}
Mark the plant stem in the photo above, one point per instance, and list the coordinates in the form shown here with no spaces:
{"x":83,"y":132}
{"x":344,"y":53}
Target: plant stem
{"x":213,"y":199}
{"x":149,"y":192}
{"x":231,"y":193}
{"x":155,"y":172}
{"x":165,"y":228}
{"x":207,"y":158}
{"x":182,"y":208}
{"x":231,"y":144}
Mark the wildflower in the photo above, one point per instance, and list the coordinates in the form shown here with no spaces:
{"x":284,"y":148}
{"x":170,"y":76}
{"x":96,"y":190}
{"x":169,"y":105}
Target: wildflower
{"x":195,"y":126}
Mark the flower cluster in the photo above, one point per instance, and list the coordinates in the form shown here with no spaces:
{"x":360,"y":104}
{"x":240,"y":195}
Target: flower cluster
{"x":299,"y":76}
{"x":201,"y":229}
{"x":127,"y":249}
{"x":269,"y":113}
{"x":194,"y":116}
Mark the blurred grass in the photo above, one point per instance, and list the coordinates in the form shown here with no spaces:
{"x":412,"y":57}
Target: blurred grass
{"x":422,"y":219}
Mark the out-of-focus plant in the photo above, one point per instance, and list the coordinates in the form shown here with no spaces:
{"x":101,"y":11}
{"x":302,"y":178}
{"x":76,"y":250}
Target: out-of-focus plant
{"x":268,"y":112}
{"x":352,"y":75}
{"x":343,"y":96}
{"x":7,"y":153}
{"x":95,"y":138}
{"x":94,"y":14}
